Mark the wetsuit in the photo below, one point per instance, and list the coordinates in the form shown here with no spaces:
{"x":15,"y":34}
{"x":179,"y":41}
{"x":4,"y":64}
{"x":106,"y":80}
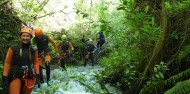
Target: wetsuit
{"x":19,"y":57}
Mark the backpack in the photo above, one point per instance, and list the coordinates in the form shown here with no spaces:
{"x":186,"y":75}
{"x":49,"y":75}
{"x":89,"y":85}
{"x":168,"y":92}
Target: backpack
{"x":65,"y":46}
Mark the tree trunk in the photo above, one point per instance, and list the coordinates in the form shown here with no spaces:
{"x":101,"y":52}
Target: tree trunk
{"x":159,"y":45}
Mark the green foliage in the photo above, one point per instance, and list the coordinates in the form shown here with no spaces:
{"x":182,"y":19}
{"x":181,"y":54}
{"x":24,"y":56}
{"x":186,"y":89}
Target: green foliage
{"x":185,"y":51}
{"x":177,"y":78}
{"x":126,"y":5}
{"x":131,"y":34}
{"x":148,"y":31}
{"x":177,"y":7}
{"x":159,"y":70}
{"x":157,"y":81}
{"x":1,"y":68}
{"x":1,"y":71}
{"x":122,"y":63}
{"x":9,"y":26}
{"x":131,"y":39}
{"x":151,"y":86}
{"x":28,"y":11}
{"x":85,"y":15}
{"x":182,"y":87}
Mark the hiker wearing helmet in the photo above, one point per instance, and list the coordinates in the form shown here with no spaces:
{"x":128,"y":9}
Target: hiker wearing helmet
{"x":41,"y":40}
{"x":21,"y":59}
{"x":91,"y":49}
{"x":66,"y":48}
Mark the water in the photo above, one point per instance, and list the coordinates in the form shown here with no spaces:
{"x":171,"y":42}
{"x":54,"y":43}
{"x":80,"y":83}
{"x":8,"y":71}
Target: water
{"x":76,"y":80}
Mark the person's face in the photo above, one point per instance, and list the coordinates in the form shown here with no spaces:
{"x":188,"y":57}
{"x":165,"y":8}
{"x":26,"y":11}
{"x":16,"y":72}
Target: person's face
{"x":25,"y":37}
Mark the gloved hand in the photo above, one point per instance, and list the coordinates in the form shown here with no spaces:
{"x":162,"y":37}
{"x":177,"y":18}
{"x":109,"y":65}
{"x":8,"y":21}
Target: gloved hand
{"x":5,"y":82}
{"x":38,"y":80}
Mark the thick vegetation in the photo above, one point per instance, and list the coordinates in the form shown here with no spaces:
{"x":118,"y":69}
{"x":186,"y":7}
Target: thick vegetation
{"x":147,"y":41}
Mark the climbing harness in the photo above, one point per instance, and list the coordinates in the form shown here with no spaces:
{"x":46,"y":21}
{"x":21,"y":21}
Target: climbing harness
{"x":25,"y":77}
{"x":63,"y":56}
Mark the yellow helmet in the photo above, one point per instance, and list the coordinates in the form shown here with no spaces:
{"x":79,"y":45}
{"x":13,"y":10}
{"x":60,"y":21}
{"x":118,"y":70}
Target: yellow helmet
{"x":90,"y":40}
{"x":63,"y":37}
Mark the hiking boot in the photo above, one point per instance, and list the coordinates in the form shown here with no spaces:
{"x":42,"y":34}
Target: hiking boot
{"x":48,"y":83}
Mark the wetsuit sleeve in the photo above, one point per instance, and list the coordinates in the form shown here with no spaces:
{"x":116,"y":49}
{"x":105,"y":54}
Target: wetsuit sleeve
{"x":58,"y":45}
{"x":36,"y":65}
{"x":71,"y":46}
{"x":8,"y":61}
{"x":53,"y":43}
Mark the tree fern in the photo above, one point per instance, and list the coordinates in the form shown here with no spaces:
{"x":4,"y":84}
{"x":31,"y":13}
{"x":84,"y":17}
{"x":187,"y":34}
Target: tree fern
{"x":180,"y":88}
{"x":176,"y":78}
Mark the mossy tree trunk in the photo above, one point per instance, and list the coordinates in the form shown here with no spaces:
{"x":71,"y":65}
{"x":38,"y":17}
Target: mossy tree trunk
{"x":156,"y":54}
{"x":159,"y":45}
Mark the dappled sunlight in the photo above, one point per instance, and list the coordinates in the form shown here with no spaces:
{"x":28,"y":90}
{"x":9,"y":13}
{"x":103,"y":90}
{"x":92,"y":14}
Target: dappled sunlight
{"x":55,"y":15}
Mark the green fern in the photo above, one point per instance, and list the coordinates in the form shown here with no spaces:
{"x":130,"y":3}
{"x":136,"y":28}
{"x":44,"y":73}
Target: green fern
{"x":176,"y":78}
{"x":180,"y":88}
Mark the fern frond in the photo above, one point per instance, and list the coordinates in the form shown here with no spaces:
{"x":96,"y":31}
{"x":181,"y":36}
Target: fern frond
{"x":177,"y":78}
{"x":180,"y":88}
